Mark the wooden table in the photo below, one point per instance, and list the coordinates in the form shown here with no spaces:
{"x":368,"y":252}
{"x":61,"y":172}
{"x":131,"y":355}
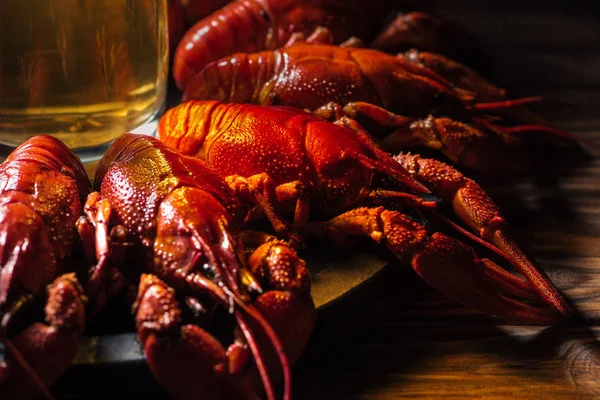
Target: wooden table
{"x":433,"y":348}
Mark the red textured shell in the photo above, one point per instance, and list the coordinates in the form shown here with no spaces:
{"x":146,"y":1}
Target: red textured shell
{"x":137,"y":173}
{"x":42,"y":188}
{"x":288,"y":143}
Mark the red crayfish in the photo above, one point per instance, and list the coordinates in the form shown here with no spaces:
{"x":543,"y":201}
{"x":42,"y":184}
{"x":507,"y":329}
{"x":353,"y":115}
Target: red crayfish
{"x":175,"y":222}
{"x":255,"y":25}
{"x":42,"y":189}
{"x":311,"y":170}
{"x":399,"y":99}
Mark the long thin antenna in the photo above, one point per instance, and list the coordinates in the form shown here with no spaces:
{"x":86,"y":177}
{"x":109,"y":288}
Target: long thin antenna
{"x":471,"y":236}
{"x":508,"y":103}
{"x":258,"y":358}
{"x":28,"y":370}
{"x":233,"y":294}
{"x":285,"y":365}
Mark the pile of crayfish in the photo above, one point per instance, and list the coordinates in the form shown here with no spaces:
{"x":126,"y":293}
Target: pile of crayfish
{"x":288,"y":122}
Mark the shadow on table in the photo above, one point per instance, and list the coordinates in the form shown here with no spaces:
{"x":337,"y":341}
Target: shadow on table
{"x":388,"y":355}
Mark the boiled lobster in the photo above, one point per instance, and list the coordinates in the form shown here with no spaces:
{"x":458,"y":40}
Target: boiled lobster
{"x":312,"y":170}
{"x":42,"y":189}
{"x":399,"y":99}
{"x":171,"y":223}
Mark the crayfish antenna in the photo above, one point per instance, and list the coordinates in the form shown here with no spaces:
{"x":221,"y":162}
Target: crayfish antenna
{"x":231,"y":292}
{"x":495,"y":105}
{"x":225,"y":295}
{"x":533,"y":128}
{"x":258,"y":358}
{"x":268,"y":330}
{"x":547,"y":129}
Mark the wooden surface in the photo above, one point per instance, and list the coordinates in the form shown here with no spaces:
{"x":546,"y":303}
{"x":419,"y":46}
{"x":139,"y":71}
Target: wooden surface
{"x":434,"y":348}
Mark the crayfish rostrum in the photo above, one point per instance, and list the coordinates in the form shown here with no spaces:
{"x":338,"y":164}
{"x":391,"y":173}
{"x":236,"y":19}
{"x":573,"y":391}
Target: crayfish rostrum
{"x":172,"y":225}
{"x":42,"y":189}
{"x":327,"y":180}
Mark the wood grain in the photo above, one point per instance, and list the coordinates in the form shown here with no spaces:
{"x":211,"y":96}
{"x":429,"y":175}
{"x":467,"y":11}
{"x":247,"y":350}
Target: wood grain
{"x":434,"y":348}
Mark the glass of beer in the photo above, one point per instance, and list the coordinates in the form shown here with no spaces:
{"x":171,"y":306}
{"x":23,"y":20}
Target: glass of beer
{"x":84,"y":71}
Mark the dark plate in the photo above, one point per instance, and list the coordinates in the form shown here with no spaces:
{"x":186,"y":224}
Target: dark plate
{"x":333,"y":280}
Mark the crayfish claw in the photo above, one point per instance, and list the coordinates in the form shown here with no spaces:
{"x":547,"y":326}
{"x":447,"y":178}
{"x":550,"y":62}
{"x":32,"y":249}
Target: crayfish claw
{"x":185,"y":359}
{"x":450,"y":266}
{"x":454,"y":269}
{"x":286,"y":284}
{"x":479,"y":212}
{"x":540,"y":282}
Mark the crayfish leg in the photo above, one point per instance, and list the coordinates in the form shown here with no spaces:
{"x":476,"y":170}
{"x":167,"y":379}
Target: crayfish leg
{"x":321,"y":35}
{"x":47,"y":349}
{"x":463,"y":144}
{"x":103,"y":247}
{"x":271,"y":200}
{"x":260,"y":189}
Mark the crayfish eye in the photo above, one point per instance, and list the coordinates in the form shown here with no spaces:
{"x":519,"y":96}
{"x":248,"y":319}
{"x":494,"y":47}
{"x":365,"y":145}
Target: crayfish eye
{"x":265,"y":15}
{"x":210,"y":272}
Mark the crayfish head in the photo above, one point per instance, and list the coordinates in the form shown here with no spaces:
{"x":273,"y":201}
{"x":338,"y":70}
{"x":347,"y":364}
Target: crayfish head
{"x":193,"y":246}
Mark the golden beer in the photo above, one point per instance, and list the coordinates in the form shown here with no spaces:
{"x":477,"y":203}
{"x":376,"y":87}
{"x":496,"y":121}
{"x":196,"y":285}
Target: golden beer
{"x":85,"y":71}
